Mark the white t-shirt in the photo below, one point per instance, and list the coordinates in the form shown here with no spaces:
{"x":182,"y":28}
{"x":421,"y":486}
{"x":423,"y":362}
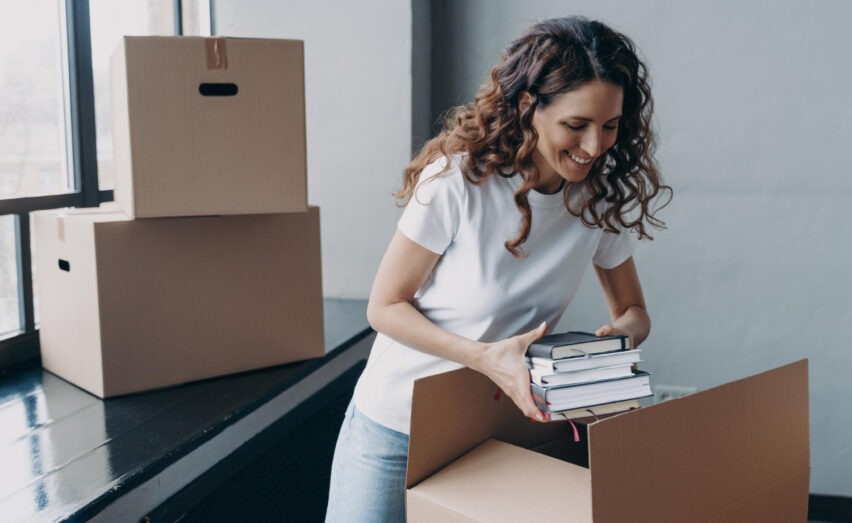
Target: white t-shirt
{"x":477,"y":289}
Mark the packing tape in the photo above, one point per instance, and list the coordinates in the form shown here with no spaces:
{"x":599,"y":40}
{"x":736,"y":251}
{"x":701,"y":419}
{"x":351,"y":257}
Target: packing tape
{"x":217,"y":53}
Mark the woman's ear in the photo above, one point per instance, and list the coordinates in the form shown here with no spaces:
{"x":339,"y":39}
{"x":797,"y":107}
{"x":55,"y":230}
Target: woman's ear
{"x":525,"y":100}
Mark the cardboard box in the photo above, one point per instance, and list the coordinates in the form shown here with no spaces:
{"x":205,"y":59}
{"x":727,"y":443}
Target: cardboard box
{"x":237,"y":149}
{"x":738,"y":452}
{"x":130,"y":305}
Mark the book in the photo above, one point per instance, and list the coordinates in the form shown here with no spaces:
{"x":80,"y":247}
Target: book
{"x":595,"y":410}
{"x":572,"y":344}
{"x":592,"y":361}
{"x":566,"y":397}
{"x":545,"y":378}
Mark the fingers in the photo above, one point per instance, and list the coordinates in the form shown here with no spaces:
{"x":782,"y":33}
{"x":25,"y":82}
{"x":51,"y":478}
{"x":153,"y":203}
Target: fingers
{"x":518,"y":385}
{"x":536,"y":333}
{"x":524,"y":401}
{"x":531,"y":410}
{"x":606,"y":330}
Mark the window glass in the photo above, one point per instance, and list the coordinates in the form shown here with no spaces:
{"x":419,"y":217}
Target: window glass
{"x":33,"y":100}
{"x":34,"y":272}
{"x":109,"y":21}
{"x":10,"y":316}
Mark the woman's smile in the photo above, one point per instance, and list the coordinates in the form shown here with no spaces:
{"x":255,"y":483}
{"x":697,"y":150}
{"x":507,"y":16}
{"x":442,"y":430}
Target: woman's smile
{"x":579,"y":162}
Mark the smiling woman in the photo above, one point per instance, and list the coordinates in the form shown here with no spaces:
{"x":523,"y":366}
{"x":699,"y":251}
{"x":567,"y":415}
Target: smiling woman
{"x":505,"y":209}
{"x":567,"y":86}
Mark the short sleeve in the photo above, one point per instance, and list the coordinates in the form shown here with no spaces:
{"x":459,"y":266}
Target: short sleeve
{"x":431,"y":217}
{"x":613,"y":249}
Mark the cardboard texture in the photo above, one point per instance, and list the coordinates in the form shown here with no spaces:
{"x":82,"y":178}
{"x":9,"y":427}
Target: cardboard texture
{"x":737,"y":452}
{"x":179,"y":152}
{"x":144,"y":304}
{"x":473,"y":487}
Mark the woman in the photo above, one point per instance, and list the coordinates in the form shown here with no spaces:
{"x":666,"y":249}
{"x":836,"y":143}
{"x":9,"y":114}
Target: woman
{"x":542,"y":175}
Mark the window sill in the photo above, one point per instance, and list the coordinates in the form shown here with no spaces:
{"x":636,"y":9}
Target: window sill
{"x":68,"y":454}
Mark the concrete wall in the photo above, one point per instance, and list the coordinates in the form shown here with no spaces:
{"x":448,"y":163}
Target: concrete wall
{"x":358,"y":112}
{"x":421,"y":70}
{"x":755,"y":124}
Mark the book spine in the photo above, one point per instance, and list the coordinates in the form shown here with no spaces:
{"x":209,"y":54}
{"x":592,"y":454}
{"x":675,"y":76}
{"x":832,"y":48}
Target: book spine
{"x":539,"y":395}
{"x":544,"y":364}
{"x":621,"y":379}
{"x":539,"y":350}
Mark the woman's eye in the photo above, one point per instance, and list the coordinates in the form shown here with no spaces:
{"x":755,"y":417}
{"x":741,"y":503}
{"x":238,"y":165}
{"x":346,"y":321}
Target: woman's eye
{"x":581,"y":127}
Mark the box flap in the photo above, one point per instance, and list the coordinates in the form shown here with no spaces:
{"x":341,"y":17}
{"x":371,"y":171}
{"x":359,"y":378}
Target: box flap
{"x":455,"y":411}
{"x":497,"y":481}
{"x":742,"y":445}
{"x":108,"y":210}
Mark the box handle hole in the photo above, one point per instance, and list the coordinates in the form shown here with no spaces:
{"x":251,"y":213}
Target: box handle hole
{"x":64,"y":265}
{"x":208,"y":89}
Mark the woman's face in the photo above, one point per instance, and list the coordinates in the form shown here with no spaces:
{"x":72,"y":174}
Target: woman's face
{"x":574,"y":130}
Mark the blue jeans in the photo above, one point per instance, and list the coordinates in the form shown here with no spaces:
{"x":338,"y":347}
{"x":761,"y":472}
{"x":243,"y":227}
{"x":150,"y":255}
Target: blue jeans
{"x":368,"y":472}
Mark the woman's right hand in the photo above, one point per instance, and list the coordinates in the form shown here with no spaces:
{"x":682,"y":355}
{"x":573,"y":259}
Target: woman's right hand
{"x":503,"y":362}
{"x":405,"y":267}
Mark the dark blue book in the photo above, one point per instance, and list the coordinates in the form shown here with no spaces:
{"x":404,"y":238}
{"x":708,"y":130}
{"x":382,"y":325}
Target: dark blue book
{"x":575,"y":344}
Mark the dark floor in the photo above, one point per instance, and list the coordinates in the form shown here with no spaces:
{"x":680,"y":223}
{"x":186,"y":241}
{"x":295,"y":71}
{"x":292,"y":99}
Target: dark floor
{"x":280,"y":475}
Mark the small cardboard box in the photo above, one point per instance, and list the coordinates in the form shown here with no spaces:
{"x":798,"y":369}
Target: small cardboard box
{"x":208,"y":126}
{"x":738,"y":452}
{"x":130,"y":305}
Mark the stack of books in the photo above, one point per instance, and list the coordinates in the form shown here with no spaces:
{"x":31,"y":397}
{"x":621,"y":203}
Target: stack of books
{"x":578,"y":374}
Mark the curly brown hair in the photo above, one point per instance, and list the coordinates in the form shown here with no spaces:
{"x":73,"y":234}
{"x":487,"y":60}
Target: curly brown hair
{"x":496,"y":133}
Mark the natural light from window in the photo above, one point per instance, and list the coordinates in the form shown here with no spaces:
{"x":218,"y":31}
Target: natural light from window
{"x":110,"y":20}
{"x":33,"y":135}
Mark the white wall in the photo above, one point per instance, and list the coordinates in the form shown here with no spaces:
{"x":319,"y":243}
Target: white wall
{"x":358,"y":118}
{"x":755,"y":120}
{"x":753,"y":111}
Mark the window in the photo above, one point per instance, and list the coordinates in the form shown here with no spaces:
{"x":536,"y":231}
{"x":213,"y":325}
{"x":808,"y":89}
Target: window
{"x":55,"y":135}
{"x":141,"y":17}
{"x":33,"y":101}
{"x":10,"y":321}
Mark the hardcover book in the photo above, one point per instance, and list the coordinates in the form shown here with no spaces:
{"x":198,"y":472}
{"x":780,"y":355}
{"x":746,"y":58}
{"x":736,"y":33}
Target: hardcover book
{"x":545,"y":378}
{"x":592,"y":361}
{"x":574,"y":344}
{"x":565,"y":397}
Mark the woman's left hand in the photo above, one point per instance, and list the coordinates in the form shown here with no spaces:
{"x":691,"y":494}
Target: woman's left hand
{"x":609,"y":330}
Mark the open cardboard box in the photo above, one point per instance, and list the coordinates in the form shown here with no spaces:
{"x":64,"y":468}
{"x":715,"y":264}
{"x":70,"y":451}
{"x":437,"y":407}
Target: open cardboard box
{"x":737,"y":452}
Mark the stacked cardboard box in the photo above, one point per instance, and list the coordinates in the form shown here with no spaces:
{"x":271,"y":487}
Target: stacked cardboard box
{"x":208,"y":262}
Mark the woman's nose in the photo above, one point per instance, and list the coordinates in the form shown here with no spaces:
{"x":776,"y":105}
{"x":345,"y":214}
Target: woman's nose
{"x":591,"y":143}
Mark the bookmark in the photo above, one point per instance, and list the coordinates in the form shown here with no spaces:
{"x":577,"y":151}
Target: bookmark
{"x":576,"y":433}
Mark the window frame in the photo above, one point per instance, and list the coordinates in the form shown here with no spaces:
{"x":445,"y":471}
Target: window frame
{"x":84,"y":165}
